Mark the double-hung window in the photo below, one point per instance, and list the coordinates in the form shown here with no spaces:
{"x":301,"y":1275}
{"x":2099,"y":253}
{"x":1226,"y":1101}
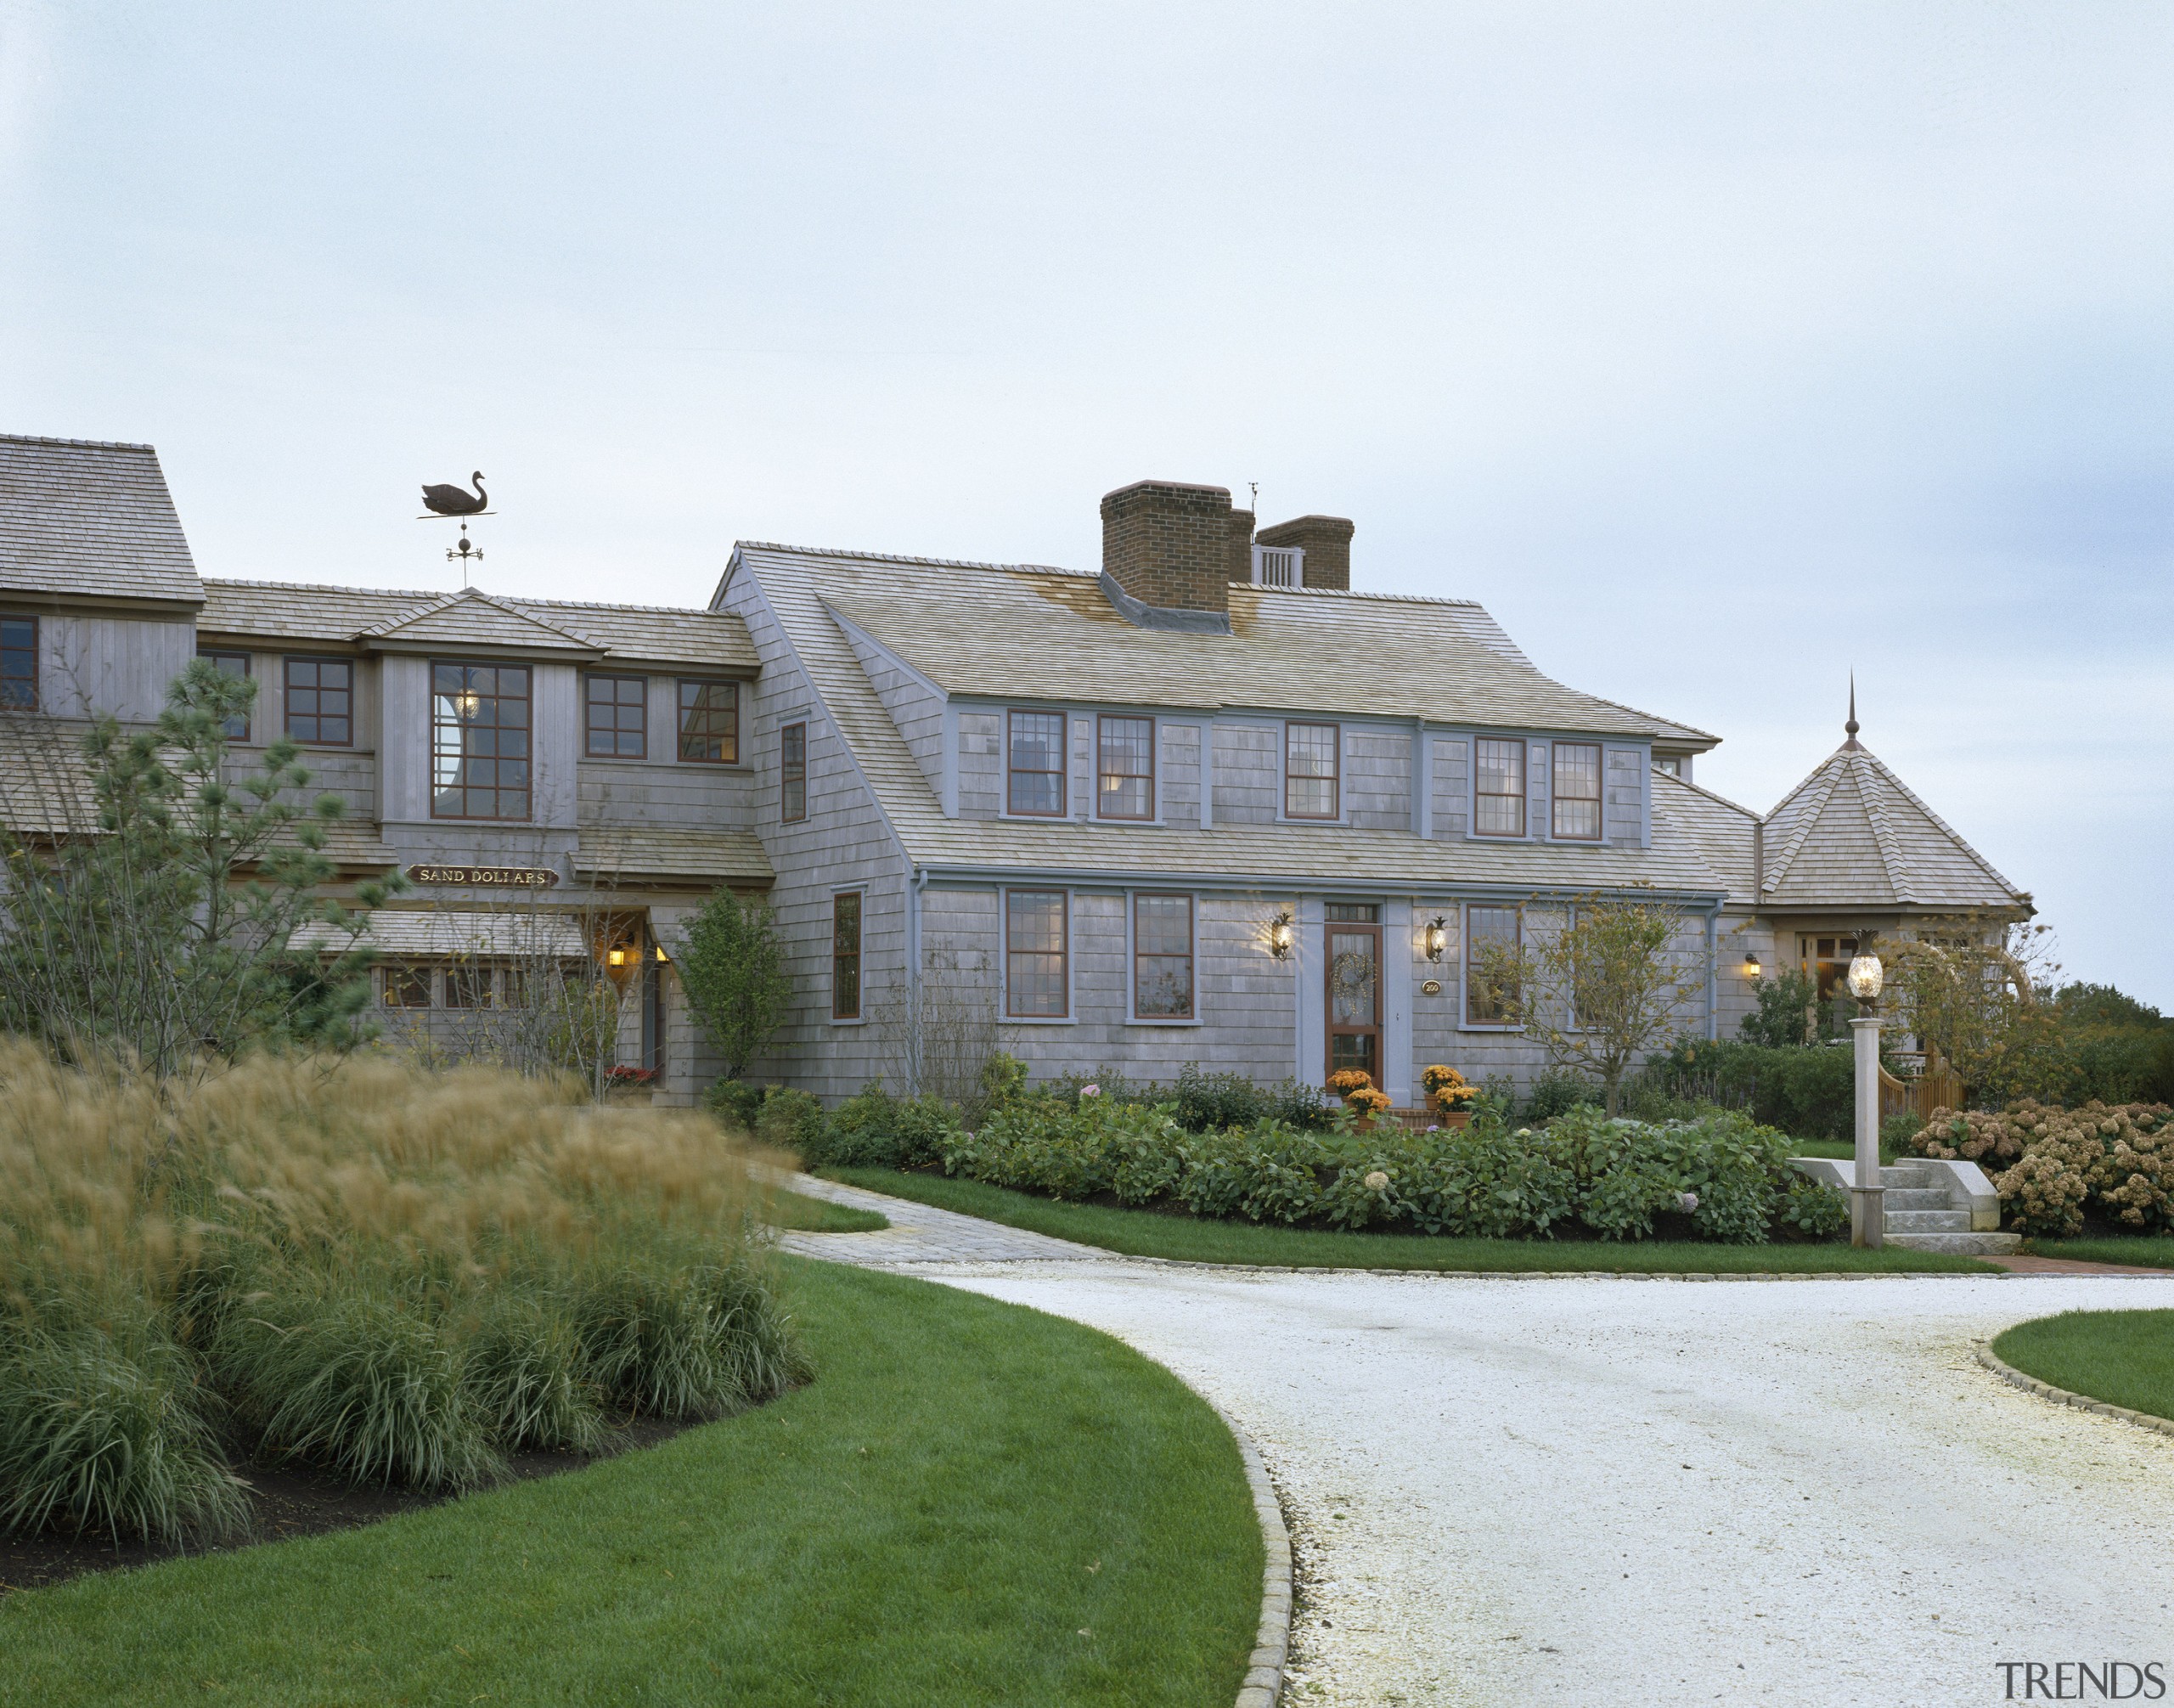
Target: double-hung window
{"x":709,"y":723}
{"x":1124,"y":768}
{"x":236,"y":664}
{"x":1161,"y":957}
{"x":18,"y":663}
{"x":1037,"y":963}
{"x":845,"y":955}
{"x":1500,"y":790}
{"x":1034,"y":763}
{"x":407,"y":986}
{"x":1312,"y":771}
{"x":792,"y":773}
{"x":321,"y":700}
{"x":1576,"y":791}
{"x":469,"y":986}
{"x":1492,"y":937}
{"x":479,"y":742}
{"x":615,"y":715}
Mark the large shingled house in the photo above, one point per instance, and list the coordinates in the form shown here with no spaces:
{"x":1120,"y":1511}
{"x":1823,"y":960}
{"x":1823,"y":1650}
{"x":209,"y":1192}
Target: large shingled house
{"x":1135,"y":814}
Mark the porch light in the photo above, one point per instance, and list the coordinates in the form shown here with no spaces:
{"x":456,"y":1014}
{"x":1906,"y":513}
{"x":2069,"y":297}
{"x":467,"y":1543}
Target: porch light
{"x":1752,"y":969}
{"x":1866,"y":977}
{"x":1281,"y":934}
{"x":614,"y":956}
{"x":1438,"y":936}
{"x":661,"y":957}
{"x":467,"y":703}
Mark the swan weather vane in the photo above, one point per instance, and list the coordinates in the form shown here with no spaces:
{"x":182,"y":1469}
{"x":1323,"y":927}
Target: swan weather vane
{"x":458,"y":501}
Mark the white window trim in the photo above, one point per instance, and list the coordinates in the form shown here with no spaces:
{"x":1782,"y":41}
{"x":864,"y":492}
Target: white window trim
{"x":1465,"y":1022}
{"x":830,"y":952}
{"x":1132,"y":1016}
{"x":1071,"y":1015}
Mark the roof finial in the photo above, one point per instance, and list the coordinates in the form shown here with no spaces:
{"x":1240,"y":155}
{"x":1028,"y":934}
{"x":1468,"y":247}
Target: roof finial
{"x":1849,"y":728}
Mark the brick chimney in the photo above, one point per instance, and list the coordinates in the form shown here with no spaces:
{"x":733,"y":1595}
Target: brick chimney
{"x":1172,"y":546}
{"x":1326,"y":542}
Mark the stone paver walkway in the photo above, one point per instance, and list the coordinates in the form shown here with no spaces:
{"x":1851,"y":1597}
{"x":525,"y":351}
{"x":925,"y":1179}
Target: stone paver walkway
{"x":920,"y":1234}
{"x":1601,"y":1493}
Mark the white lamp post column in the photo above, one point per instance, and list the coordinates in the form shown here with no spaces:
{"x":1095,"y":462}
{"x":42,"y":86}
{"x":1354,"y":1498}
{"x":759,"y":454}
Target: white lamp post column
{"x":1868,"y":1216}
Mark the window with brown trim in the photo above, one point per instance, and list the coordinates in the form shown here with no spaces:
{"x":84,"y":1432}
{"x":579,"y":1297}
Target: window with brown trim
{"x":1034,"y":763}
{"x":18,"y":663}
{"x":845,"y":955}
{"x":1037,"y":968}
{"x":1312,"y":771}
{"x":469,"y":986}
{"x":480,"y":753}
{"x":1124,"y":768}
{"x":614,"y":717}
{"x":320,"y":695}
{"x":231,"y":664}
{"x":1487,"y":997}
{"x":1576,"y":791}
{"x":1161,"y":957}
{"x":1500,"y":788}
{"x":408,"y":987}
{"x":709,"y":723}
{"x":792,"y":773}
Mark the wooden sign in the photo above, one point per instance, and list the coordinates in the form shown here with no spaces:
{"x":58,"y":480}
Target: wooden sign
{"x":484,"y":876}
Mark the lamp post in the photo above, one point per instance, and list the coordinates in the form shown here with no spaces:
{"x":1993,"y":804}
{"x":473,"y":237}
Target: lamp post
{"x":1867,"y":1220}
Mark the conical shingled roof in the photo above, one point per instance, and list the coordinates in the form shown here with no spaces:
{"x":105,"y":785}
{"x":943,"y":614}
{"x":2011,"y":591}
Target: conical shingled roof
{"x":1853,"y":835}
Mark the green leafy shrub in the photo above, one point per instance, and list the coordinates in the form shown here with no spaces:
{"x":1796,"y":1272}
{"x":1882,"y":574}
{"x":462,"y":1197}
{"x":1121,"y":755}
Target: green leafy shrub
{"x":737,"y":1101}
{"x":1811,"y":1092}
{"x":794,"y":1121}
{"x":876,"y":1130}
{"x":1557,"y":1092}
{"x":1203,"y":1102}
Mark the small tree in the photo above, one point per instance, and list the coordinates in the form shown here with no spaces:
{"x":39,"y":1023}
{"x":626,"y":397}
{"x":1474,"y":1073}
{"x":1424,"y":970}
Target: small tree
{"x":1975,"y":988}
{"x":1598,"y":992}
{"x":153,"y":904}
{"x":1788,"y":1008}
{"x":733,"y":971}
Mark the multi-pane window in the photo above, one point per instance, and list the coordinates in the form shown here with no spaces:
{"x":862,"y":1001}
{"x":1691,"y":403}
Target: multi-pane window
{"x":1310,"y":770}
{"x":709,"y":723}
{"x":18,"y":663}
{"x":407,"y":987}
{"x":1124,"y":768}
{"x":321,"y":700}
{"x":1037,"y":979}
{"x":1161,"y":957}
{"x":468,"y":986}
{"x":792,"y":773}
{"x":1500,"y":789}
{"x":1491,"y":947}
{"x":614,"y":717}
{"x":1036,"y":761}
{"x":479,"y":742}
{"x":1577,"y":791}
{"x":845,"y":955}
{"x":232,"y":665}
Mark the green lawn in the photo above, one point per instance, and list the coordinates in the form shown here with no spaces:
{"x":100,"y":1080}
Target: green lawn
{"x":1148,"y":1233}
{"x":972,"y":1503}
{"x":2147,"y":1251}
{"x":2124,"y":1357}
{"x":800,"y":1214}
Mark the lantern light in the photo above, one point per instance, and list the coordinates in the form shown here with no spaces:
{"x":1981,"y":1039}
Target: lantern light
{"x":616,"y":956}
{"x":1751,"y":966}
{"x":1438,"y":936}
{"x":1866,"y":977}
{"x":1281,"y":934}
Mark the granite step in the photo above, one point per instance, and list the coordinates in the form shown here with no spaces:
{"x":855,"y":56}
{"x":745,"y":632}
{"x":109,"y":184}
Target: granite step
{"x":1959,"y":1244}
{"x":1927,"y":1221}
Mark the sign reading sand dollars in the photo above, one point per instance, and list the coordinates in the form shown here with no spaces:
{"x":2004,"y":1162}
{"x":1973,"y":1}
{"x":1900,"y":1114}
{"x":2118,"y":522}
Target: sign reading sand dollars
{"x":484,"y":876}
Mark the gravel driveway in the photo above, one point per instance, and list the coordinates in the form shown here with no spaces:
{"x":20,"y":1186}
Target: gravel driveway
{"x":1626,"y":1492}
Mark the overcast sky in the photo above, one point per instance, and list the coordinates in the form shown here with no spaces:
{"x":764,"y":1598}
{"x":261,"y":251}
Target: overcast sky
{"x":1718,"y":349}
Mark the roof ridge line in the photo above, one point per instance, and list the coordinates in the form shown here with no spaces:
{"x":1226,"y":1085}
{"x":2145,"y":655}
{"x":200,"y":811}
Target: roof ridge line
{"x":80,"y":444}
{"x":1887,"y":774}
{"x":1684,"y":782}
{"x":322,"y":587}
{"x":1824,"y":776}
{"x":1900,"y":877}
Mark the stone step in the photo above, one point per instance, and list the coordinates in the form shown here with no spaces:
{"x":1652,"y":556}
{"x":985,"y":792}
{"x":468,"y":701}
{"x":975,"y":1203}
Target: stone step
{"x":1959,"y":1244}
{"x":1927,"y":1221}
{"x":1916,"y":1197}
{"x":1907,"y":1176}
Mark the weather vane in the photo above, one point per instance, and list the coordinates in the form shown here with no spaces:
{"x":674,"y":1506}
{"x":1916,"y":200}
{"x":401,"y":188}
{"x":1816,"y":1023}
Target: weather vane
{"x":452,"y":501}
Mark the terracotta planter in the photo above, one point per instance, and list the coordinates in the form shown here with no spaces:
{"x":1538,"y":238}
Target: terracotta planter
{"x":1457,"y":1118}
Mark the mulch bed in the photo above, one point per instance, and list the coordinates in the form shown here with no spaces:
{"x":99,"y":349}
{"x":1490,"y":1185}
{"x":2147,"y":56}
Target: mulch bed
{"x":290,"y":1501}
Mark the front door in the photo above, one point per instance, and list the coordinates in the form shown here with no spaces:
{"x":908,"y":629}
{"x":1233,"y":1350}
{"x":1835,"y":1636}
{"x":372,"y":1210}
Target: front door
{"x":1354,"y":931}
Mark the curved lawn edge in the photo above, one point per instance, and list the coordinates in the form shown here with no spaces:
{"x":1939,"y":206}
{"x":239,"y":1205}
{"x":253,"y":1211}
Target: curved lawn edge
{"x":1152,"y":1236}
{"x":2057,"y":1342}
{"x":1264,"y":1682}
{"x":974,"y":1503}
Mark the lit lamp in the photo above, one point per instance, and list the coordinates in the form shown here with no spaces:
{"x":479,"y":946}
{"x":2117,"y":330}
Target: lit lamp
{"x":1281,"y":932}
{"x":1867,"y":1220}
{"x":1438,"y":936}
{"x":1752,"y":969}
{"x":616,"y":956}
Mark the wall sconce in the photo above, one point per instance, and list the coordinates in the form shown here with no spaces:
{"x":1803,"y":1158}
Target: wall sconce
{"x":1752,"y":969}
{"x":1438,"y":936}
{"x":1866,"y":977}
{"x":662,"y":959}
{"x":616,"y":956}
{"x":1282,"y":932}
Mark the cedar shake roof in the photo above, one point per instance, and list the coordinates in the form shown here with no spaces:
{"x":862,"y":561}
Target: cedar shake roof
{"x":653,"y":853}
{"x":471,"y":618}
{"x":796,"y":586}
{"x":1028,"y":631}
{"x":1725,"y":833}
{"x":286,"y":611}
{"x":82,"y":519}
{"x":1852,"y":834}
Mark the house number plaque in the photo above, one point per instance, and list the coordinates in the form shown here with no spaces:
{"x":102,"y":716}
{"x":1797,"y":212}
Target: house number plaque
{"x":484,"y":876}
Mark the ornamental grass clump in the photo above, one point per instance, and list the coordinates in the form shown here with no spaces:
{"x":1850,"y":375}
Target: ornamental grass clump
{"x":2057,"y":1168}
{"x":395,"y":1276}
